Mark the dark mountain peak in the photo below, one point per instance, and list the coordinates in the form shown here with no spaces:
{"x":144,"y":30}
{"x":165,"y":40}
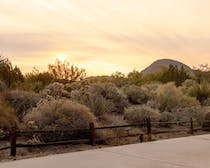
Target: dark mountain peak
{"x":157,"y":65}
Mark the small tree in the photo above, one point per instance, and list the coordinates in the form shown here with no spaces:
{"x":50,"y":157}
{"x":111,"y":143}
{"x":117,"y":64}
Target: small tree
{"x":8,"y":74}
{"x":174,"y":74}
{"x":119,"y":79}
{"x":135,"y":77}
{"x":64,"y":72}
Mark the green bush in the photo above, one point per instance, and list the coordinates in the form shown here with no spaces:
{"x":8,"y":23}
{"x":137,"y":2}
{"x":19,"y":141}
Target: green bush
{"x":135,"y":78}
{"x":201,"y":91}
{"x":30,"y":86}
{"x":8,"y":118}
{"x":139,"y":114}
{"x":8,"y":74}
{"x":36,"y":81}
{"x":166,"y":117}
{"x":136,"y":95}
{"x":169,"y":97}
{"x":21,"y":101}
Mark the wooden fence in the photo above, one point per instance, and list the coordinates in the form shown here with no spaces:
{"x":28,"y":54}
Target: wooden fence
{"x":91,"y":132}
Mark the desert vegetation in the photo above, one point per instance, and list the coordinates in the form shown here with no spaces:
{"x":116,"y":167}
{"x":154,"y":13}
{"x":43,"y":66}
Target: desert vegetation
{"x":63,"y":98}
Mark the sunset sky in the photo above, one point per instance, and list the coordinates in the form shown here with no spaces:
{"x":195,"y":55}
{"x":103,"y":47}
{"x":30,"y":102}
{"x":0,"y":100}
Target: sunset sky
{"x":104,"y":36}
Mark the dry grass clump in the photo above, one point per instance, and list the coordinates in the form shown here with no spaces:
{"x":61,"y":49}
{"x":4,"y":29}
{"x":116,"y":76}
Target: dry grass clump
{"x":169,"y":97}
{"x":139,"y":114}
{"x":8,"y":117}
{"x":21,"y":101}
{"x":136,"y":95}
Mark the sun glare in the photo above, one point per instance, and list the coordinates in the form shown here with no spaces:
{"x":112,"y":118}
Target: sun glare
{"x":61,"y":57}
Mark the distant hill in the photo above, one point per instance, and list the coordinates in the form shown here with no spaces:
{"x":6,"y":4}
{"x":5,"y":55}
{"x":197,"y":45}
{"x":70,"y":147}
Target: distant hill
{"x":157,"y":65}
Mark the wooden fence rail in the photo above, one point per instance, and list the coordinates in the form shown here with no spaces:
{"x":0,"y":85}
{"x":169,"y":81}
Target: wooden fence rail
{"x":148,"y":125}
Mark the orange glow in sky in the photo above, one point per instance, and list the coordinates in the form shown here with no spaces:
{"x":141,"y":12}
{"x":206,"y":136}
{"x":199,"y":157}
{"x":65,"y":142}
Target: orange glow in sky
{"x":104,"y":36}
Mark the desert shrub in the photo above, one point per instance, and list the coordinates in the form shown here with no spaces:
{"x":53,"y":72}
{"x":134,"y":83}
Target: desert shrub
{"x":100,"y":95}
{"x":136,"y":95}
{"x":189,"y":83}
{"x":152,"y":87}
{"x":187,"y":86}
{"x":201,"y":91}
{"x":56,"y":90}
{"x":21,"y":101}
{"x":59,"y":115}
{"x":206,"y":122}
{"x":202,"y":114}
{"x":166,"y":117}
{"x":169,"y":97}
{"x":73,"y":86}
{"x":140,"y":114}
{"x":8,"y":118}
{"x":114,"y":97}
{"x":64,"y":72}
{"x":36,"y":81}
{"x":9,"y":74}
{"x":30,"y":86}
{"x":43,"y":77}
{"x":206,"y":102}
{"x":81,"y":96}
{"x":135,"y":78}
{"x":119,"y":79}
{"x":2,"y":86}
{"x":184,"y":114}
{"x":174,"y":74}
{"x":98,"y":105}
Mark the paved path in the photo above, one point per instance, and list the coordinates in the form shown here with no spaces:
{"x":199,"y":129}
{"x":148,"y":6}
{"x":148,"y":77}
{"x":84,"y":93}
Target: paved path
{"x":189,"y":152}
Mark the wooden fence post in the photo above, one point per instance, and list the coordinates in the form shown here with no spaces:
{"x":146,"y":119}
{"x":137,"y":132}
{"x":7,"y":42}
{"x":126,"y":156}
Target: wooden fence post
{"x":148,"y":121}
{"x":92,"y":134}
{"x":13,"y":142}
{"x":191,"y":126}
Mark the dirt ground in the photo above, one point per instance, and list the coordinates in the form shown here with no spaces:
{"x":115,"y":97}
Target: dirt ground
{"x":23,"y":153}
